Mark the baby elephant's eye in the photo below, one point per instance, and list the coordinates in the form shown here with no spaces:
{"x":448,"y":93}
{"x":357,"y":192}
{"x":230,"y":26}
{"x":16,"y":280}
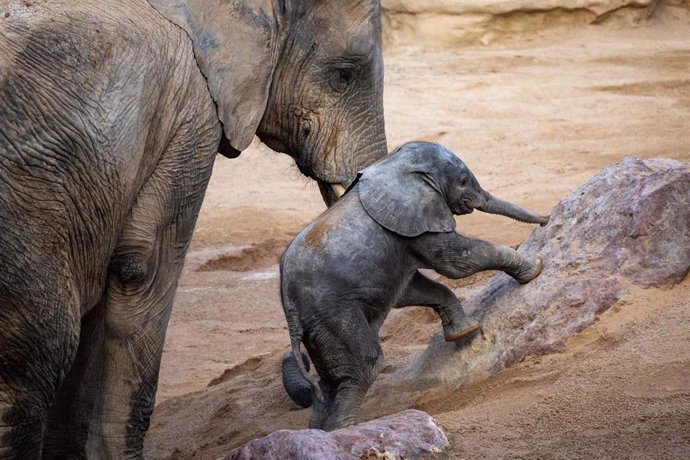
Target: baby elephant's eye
{"x":463,"y":181}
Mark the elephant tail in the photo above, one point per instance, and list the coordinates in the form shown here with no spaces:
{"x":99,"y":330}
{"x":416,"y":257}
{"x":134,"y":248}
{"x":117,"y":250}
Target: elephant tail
{"x":298,"y":383}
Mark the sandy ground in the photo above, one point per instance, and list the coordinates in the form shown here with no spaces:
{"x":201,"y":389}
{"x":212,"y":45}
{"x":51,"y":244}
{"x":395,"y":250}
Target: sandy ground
{"x":533,"y":119}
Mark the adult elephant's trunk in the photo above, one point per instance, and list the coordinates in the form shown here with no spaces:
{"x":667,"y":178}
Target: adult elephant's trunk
{"x":493,"y":205}
{"x":375,"y":150}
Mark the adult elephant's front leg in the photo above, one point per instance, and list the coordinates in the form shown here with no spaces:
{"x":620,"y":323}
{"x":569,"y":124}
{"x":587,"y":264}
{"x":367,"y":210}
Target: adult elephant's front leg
{"x":142,"y":281}
{"x":104,"y":407}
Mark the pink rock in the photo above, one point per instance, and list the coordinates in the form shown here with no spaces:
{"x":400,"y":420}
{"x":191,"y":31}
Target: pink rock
{"x":408,"y":434}
{"x":284,"y":444}
{"x":628,"y":224}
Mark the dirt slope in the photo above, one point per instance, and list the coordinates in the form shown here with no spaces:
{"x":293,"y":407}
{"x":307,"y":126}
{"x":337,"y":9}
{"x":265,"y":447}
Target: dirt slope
{"x":621,"y":389}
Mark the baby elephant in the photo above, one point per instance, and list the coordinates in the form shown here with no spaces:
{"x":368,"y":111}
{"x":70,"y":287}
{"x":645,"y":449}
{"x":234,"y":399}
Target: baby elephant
{"x":344,"y":272}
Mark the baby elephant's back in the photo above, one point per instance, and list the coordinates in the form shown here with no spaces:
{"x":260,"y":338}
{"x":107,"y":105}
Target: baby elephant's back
{"x":345,"y":254}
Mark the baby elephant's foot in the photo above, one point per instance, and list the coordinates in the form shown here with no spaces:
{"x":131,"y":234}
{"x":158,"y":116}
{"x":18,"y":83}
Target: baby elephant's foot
{"x":530,"y":270}
{"x":459,"y":328}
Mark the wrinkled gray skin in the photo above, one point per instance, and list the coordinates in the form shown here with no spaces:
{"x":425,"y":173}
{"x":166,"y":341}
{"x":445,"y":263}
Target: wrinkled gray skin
{"x":344,"y":272}
{"x":111,"y":113}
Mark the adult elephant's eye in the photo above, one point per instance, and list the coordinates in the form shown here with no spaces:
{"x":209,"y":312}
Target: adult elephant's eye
{"x":341,"y":77}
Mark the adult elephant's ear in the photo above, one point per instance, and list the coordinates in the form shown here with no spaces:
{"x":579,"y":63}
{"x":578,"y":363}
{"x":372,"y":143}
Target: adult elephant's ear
{"x":233,"y":43}
{"x":404,"y":198}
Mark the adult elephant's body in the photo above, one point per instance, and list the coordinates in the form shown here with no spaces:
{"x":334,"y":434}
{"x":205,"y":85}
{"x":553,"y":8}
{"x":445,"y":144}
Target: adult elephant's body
{"x":108,"y":132}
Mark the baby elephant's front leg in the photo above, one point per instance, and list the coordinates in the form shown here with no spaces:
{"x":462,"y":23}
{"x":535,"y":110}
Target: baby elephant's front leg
{"x":456,"y":256}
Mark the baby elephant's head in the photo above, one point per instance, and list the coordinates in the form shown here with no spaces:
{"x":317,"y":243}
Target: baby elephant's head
{"x":421,"y":185}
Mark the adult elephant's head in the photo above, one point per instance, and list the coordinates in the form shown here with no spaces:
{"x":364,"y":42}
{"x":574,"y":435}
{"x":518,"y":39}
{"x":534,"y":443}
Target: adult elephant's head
{"x":305,"y":76}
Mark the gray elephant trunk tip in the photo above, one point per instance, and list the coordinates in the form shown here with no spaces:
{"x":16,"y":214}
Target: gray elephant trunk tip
{"x":493,"y":205}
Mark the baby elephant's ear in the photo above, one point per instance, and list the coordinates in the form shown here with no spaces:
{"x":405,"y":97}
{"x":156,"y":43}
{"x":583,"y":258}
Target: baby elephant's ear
{"x":402,"y":200}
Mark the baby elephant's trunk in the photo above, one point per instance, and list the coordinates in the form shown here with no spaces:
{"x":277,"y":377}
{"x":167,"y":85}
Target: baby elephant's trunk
{"x":493,"y":205}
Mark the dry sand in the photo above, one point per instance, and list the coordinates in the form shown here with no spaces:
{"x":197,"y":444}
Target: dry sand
{"x":533,"y":119}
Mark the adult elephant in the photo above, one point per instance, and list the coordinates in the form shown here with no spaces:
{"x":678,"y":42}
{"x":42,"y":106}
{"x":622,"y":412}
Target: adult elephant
{"x":111,"y":113}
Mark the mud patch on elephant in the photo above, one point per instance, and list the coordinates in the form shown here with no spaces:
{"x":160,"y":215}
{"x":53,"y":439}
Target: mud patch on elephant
{"x":317,"y":233}
{"x":257,"y":256}
{"x":323,"y":226}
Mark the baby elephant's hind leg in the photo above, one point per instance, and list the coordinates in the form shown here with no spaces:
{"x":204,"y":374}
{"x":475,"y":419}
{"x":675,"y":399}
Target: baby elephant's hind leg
{"x":347,"y":355}
{"x":427,"y":293}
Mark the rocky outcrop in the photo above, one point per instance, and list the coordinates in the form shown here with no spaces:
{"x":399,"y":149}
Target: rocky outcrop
{"x":629,"y":225}
{"x":408,"y":434}
{"x":458,"y":22}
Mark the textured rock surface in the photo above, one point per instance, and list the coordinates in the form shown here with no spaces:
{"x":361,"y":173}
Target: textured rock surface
{"x":628,"y":224}
{"x":408,"y":434}
{"x":303,"y":444}
{"x":453,"y":22}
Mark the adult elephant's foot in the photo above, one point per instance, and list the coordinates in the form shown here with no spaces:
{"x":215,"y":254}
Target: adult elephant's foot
{"x":459,"y":328}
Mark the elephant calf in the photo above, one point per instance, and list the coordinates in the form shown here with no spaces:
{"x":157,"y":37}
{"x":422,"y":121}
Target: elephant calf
{"x":344,"y":272}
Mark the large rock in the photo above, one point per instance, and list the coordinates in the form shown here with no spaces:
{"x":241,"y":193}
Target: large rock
{"x":408,"y":434}
{"x":630,"y":224}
